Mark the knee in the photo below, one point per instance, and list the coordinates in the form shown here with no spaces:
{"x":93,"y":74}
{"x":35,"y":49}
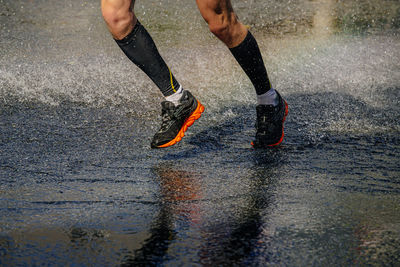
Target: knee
{"x":118,"y":16}
{"x":228,"y":29}
{"x":219,"y":27}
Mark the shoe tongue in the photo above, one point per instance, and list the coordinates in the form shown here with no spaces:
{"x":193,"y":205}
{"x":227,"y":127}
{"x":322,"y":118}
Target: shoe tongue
{"x":167,"y":105}
{"x":265,"y":108}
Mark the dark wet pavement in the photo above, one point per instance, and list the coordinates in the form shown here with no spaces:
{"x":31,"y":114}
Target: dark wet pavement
{"x":79,"y":184}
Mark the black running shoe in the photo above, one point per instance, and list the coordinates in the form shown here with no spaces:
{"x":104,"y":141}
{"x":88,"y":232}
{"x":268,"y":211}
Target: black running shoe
{"x":176,"y":120}
{"x":269,"y":124}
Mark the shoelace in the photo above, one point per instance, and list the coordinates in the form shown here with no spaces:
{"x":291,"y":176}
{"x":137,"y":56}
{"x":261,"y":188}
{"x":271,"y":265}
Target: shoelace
{"x":266,"y":117}
{"x":167,"y":116}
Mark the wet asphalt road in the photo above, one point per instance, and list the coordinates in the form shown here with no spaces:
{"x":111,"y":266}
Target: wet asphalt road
{"x":79,"y":184}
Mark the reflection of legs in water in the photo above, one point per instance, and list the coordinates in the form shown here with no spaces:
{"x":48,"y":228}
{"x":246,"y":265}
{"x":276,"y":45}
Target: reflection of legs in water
{"x":227,"y":243}
{"x":182,"y":190}
{"x":178,"y":185}
{"x":179,"y":190}
{"x":243,"y":232}
{"x":230,"y":249}
{"x":156,"y":246}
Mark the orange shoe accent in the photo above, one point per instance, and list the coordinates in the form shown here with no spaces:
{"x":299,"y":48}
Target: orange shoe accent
{"x":284,"y":118}
{"x":188,"y":122}
{"x":283,"y":133}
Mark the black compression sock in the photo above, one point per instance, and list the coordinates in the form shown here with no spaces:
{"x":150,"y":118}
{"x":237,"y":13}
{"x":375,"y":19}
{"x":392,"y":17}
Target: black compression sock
{"x":249,"y":58}
{"x":140,"y":48}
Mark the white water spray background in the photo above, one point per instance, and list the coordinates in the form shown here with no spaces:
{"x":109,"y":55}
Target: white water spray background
{"x":68,"y":56}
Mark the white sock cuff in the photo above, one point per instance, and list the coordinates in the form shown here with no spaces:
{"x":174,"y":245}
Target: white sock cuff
{"x":174,"y":98}
{"x":268,"y":98}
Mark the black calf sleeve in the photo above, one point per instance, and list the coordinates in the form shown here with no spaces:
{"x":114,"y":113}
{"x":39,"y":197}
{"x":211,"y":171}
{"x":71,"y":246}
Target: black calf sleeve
{"x":140,"y":48}
{"x":249,"y":58}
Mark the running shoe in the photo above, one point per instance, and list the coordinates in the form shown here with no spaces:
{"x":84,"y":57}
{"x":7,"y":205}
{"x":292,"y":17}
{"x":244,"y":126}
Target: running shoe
{"x":176,"y":120}
{"x":269,"y":124}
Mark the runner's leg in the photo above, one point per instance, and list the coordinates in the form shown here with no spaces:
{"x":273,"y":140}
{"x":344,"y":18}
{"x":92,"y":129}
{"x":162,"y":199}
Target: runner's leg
{"x":272,"y":108}
{"x":137,"y":44}
{"x":181,"y":108}
{"x":224,"y":24}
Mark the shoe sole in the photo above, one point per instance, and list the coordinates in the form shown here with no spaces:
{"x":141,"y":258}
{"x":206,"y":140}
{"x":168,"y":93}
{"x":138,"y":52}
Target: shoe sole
{"x":283,"y":133}
{"x":196,"y":114}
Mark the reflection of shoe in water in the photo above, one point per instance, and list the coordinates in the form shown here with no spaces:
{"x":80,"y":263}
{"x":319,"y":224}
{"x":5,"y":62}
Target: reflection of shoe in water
{"x":269,"y":124}
{"x":176,"y":120}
